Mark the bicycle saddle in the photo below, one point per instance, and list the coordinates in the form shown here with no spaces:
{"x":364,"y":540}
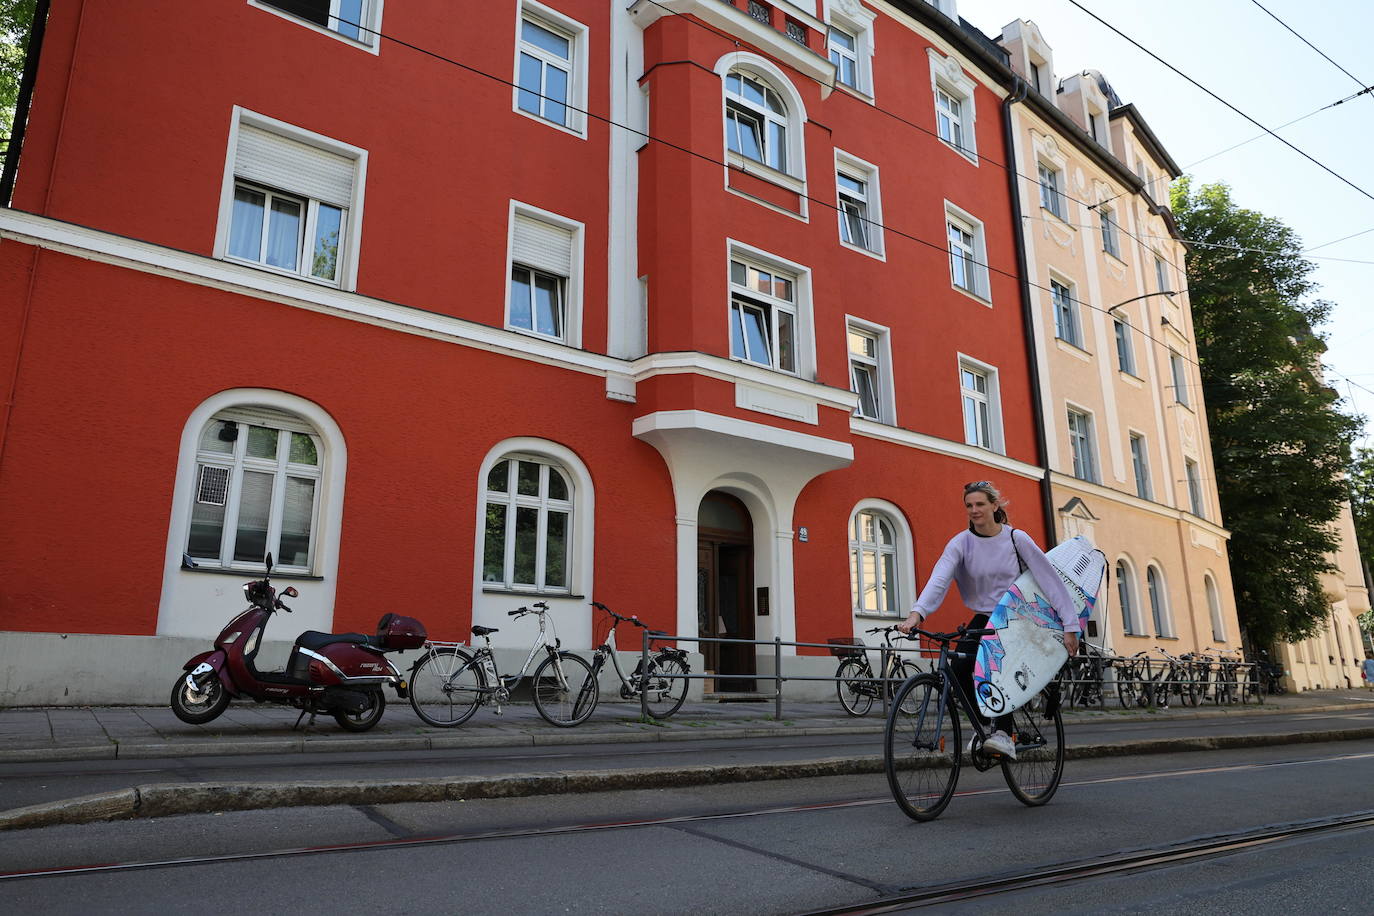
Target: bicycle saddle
{"x":483,"y":631}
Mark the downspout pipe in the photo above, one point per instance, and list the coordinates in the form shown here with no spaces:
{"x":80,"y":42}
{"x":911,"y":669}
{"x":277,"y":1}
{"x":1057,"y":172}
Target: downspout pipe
{"x":1018,"y":94}
{"x":22,"y":103}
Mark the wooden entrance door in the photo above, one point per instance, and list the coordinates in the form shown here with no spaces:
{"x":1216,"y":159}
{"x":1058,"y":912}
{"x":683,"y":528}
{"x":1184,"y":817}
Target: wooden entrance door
{"x":725,"y":589}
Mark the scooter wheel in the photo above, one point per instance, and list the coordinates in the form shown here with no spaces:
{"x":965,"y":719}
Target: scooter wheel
{"x":196,"y":707}
{"x":362,"y":721}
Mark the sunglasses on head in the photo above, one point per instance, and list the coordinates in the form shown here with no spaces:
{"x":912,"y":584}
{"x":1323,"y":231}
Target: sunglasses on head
{"x":977,"y":485}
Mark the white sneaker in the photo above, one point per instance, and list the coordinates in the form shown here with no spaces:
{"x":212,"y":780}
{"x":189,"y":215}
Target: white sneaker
{"x":999,"y":742}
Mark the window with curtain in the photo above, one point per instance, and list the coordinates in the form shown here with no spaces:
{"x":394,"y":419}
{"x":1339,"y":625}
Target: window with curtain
{"x":257,"y":489}
{"x":353,"y":19}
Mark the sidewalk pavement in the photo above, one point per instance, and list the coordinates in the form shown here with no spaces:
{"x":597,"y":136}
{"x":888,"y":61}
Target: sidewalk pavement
{"x":30,"y":735}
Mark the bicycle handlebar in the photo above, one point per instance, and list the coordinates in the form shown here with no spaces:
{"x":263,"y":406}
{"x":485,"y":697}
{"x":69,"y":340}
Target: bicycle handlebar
{"x":631,"y":619}
{"x":947,"y":638}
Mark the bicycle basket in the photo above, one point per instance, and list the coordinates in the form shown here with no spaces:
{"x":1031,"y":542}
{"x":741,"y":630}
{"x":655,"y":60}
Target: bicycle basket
{"x":846,"y":646}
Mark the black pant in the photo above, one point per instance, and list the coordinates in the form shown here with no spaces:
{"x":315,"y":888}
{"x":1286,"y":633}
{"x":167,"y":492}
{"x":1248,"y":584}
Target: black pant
{"x":963,"y":671}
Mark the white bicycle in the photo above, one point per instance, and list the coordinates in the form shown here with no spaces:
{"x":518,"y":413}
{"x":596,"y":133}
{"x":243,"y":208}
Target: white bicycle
{"x":449,"y":680}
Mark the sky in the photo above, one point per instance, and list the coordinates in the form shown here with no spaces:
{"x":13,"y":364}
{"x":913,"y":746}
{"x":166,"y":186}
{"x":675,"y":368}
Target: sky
{"x":1239,"y":52}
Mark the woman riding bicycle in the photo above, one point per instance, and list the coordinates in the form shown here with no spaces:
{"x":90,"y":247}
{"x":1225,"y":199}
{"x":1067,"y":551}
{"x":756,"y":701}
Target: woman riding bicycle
{"x":984,"y":561}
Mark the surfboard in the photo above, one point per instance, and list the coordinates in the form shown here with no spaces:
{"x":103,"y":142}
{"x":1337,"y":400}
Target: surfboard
{"x":1027,"y":650}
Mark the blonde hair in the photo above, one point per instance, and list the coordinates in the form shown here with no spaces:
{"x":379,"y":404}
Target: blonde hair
{"x":993,"y":494}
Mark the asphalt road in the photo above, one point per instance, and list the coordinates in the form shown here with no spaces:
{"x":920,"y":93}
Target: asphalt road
{"x":32,"y":783}
{"x":784,"y":847}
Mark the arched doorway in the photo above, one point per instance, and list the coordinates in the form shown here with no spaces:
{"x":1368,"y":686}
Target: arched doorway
{"x":725,"y":588}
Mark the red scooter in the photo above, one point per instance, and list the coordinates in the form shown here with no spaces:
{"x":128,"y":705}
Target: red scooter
{"x":341,"y":674}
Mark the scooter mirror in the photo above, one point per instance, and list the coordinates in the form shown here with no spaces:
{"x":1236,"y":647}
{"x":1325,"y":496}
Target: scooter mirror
{"x":290,"y":592}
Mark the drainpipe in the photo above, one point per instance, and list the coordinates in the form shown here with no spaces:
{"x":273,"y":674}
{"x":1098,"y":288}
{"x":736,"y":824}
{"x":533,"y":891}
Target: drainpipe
{"x":1018,"y":94}
{"x":21,"y":110}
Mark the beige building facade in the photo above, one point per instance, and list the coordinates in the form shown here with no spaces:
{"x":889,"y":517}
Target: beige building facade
{"x":1331,"y":659}
{"x":1126,"y":433}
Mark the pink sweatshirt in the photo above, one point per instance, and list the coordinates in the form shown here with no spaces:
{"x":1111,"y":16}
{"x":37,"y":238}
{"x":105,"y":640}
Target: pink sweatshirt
{"x":985,"y":567}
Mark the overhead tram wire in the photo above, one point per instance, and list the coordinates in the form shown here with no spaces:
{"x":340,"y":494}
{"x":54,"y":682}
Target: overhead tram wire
{"x":1309,"y":157}
{"x":942,"y":247}
{"x":1357,"y":80}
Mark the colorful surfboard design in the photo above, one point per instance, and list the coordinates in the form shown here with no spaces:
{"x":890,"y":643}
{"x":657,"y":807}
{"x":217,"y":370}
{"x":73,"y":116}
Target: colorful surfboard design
{"x":1027,"y":651}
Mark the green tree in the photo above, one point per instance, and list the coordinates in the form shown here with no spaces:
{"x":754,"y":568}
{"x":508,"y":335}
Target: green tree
{"x":15,"y":18}
{"x":1280,"y":444}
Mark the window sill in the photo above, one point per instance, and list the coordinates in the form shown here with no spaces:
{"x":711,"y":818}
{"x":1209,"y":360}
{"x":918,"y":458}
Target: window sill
{"x":249,"y":571}
{"x":1062,"y":221}
{"x":976,"y":297}
{"x":501,"y":590}
{"x":1073,"y":349}
{"x":874,"y":615}
{"x":1130,"y":378}
{"x":756,"y":169}
{"x":577,"y":132}
{"x":1115,"y":258}
{"x":289,"y":274}
{"x":856,"y":92}
{"x":971,"y":156}
{"x":876,"y":255}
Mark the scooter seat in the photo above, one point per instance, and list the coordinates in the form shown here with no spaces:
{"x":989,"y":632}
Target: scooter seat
{"x":314,"y":640}
{"x":484,"y":631}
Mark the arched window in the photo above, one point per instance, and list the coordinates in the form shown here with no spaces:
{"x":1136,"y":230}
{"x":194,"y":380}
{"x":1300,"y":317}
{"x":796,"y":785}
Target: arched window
{"x":528,"y":530}
{"x":256,"y":490}
{"x":873,"y":564}
{"x":1159,"y":601}
{"x":1214,"y":608}
{"x":1125,"y":591}
{"x":756,"y":120}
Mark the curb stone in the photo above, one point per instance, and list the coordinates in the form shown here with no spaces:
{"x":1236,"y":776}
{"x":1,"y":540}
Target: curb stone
{"x":170,"y":799}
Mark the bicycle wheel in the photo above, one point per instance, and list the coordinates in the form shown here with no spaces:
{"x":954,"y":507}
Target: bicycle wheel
{"x":921,"y":746}
{"x":565,"y":692}
{"x":1256,"y":685}
{"x":1034,"y":775}
{"x":666,"y":685}
{"x":1127,"y":690}
{"x":853,"y":684}
{"x":446,"y":687}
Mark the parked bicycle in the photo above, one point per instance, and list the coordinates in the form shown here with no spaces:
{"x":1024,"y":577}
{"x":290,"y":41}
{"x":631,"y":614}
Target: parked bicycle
{"x":1082,"y":679}
{"x":449,"y":680}
{"x":854,"y":680}
{"x":664,"y":680}
{"x":923,"y":737}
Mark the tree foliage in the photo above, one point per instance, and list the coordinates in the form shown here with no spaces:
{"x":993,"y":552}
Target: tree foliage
{"x":15,"y":18}
{"x":1362,"y":507}
{"x":1280,"y":444}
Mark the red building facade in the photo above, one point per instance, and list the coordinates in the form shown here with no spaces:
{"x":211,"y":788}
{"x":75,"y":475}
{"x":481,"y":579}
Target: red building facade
{"x":684,"y":305}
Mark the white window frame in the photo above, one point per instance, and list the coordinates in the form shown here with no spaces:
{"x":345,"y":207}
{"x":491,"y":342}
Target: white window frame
{"x":1197,"y":497}
{"x":856,"y":20}
{"x":774,"y":312}
{"x":369,"y":34}
{"x":870,"y":204}
{"x":804,"y":340}
{"x":1160,"y":614}
{"x":578,"y":35}
{"x":904,"y":573}
{"x":880,"y":364}
{"x":948,"y":76}
{"x":1068,"y":322}
{"x":1209,"y":586}
{"x":885,"y":588}
{"x":1178,"y":372}
{"x":544,"y":505}
{"x":352,"y":220}
{"x":991,"y":399}
{"x":1111,"y":236}
{"x":572,"y":285}
{"x":1125,"y":347}
{"x":1139,"y":448}
{"x":237,"y":462}
{"x":1082,"y":444}
{"x":976,"y":261}
{"x":794,"y":120}
{"x":1161,"y":275}
{"x":1128,"y":596}
{"x":1052,"y":197}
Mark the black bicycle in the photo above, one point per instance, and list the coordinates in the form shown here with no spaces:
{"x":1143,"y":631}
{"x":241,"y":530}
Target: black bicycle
{"x":855,"y":682}
{"x":923,"y":739}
